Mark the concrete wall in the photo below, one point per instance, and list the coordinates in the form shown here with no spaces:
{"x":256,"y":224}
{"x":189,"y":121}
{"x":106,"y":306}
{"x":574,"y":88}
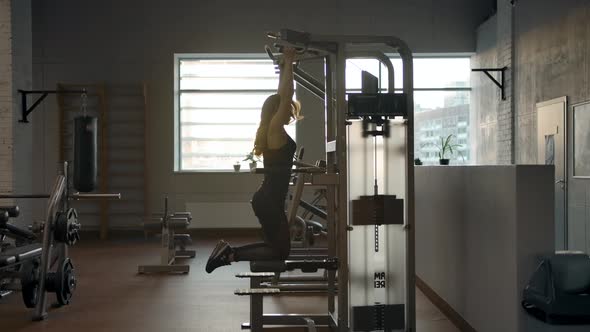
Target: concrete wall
{"x":479,"y":230}
{"x":553,"y":60}
{"x":550,"y":58}
{"x":131,"y":41}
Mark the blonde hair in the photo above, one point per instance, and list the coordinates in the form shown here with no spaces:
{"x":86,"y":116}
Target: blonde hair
{"x":269,"y":108}
{"x":295,"y":111}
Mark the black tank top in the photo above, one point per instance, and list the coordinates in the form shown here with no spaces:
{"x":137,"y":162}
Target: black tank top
{"x":278,"y":163}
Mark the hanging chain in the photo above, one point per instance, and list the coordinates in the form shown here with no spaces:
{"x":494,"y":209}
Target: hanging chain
{"x":376,"y":193}
{"x":375,"y":160}
{"x":376,"y":238}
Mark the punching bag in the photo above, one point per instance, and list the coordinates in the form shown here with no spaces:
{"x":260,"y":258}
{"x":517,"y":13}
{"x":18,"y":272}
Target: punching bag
{"x":85,"y":151}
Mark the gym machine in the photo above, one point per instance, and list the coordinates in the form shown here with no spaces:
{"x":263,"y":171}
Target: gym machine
{"x":369,"y":179}
{"x":39,"y":262}
{"x":44,"y":265}
{"x":173,"y":244}
{"x":304,"y":230}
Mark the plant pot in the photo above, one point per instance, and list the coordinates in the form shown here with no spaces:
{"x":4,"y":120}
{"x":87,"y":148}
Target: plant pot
{"x":444,"y":161}
{"x":237,"y":167}
{"x":253,"y":165}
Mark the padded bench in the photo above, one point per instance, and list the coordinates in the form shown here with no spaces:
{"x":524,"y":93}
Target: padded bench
{"x":20,"y":254}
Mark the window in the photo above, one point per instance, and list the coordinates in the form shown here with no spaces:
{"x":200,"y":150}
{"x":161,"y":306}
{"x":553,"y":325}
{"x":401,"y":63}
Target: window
{"x":441,"y":101}
{"x":218,"y":102}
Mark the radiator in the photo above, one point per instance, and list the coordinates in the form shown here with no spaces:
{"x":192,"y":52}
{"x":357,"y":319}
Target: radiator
{"x":222,"y":215}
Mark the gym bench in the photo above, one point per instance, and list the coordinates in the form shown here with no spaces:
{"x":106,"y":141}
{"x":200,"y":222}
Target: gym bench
{"x":173,"y":245}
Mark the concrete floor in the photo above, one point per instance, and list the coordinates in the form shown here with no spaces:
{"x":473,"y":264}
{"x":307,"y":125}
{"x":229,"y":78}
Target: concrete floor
{"x":112,"y":297}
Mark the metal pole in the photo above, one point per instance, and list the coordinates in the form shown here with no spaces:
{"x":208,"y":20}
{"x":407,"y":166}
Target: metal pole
{"x":9,"y":196}
{"x":342,"y":202}
{"x":53,"y":203}
{"x":407,"y":60}
{"x":80,"y":196}
{"x":383,"y":59}
{"x":330,"y":190}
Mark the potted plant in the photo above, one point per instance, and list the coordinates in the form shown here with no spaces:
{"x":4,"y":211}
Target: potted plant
{"x":237,"y":166}
{"x":253,"y":159}
{"x":446,"y":148}
{"x":417,"y":162}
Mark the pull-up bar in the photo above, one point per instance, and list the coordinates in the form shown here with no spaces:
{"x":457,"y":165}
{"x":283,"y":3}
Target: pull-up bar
{"x":304,"y":79}
{"x":25,"y":111}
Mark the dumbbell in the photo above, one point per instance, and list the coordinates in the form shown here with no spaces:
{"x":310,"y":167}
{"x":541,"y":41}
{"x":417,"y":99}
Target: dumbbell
{"x":13,"y":210}
{"x":4,"y":216}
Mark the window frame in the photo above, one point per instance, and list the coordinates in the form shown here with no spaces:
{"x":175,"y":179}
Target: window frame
{"x":178,"y":57}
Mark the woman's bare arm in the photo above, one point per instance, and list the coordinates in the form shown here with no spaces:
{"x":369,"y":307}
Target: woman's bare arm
{"x":276,"y":133}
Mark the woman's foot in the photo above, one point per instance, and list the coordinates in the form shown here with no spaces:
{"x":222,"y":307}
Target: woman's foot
{"x":221,"y":255}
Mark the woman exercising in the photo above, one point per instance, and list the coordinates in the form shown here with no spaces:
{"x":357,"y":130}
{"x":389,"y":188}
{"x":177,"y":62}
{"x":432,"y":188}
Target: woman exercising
{"x":268,"y":203}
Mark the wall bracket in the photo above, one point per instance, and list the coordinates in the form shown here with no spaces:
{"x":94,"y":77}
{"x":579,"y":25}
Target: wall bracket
{"x":25,"y":111}
{"x":499,"y":84}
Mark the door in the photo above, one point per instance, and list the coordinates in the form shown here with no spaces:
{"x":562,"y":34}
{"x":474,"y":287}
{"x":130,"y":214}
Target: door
{"x":551,"y":147}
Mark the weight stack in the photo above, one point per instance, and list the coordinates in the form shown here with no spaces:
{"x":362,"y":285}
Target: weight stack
{"x":378,"y":210}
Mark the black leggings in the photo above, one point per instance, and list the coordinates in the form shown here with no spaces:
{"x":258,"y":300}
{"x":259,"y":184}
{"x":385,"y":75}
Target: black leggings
{"x":275,"y":229}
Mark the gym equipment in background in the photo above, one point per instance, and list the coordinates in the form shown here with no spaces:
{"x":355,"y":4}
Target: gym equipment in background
{"x":558,"y":292}
{"x":175,"y":238}
{"x":37,"y":262}
{"x":41,"y":264}
{"x":304,"y":230}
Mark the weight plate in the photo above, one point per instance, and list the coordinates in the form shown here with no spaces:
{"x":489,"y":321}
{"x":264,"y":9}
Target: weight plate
{"x":66,"y":227}
{"x":30,"y":276}
{"x":65,"y":282}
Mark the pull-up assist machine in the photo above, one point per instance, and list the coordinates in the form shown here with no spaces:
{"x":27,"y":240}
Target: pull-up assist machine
{"x":370,"y":201}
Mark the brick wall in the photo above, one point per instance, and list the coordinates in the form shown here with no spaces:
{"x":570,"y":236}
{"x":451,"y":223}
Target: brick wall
{"x":493,"y":118}
{"x":505,"y":135}
{"x":6,"y":98}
